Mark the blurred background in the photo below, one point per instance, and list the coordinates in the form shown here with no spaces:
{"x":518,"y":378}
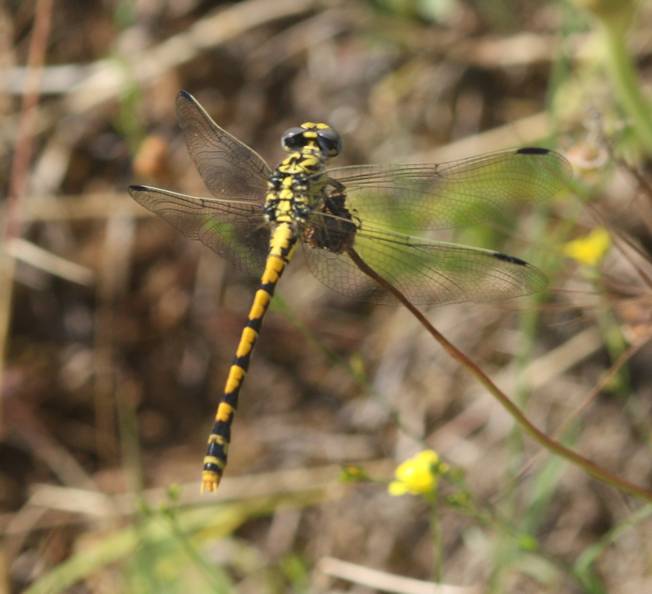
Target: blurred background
{"x":116,"y":332}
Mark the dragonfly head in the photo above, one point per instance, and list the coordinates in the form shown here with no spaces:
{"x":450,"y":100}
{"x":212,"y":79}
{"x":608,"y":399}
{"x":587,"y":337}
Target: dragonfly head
{"x":317,"y":135}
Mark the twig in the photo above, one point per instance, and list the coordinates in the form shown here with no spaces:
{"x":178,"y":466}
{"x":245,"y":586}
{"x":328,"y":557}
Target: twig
{"x":28,"y":428}
{"x":537,"y":374}
{"x":23,"y":154}
{"x":643,"y":183}
{"x":18,"y":175}
{"x":585,"y":464}
{"x":623,"y":241}
{"x":624,"y":357}
{"x":608,"y":376}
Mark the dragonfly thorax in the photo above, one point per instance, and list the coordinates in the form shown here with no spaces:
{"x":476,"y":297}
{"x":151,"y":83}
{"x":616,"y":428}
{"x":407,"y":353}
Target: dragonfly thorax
{"x":296,"y":187}
{"x":292,"y":196}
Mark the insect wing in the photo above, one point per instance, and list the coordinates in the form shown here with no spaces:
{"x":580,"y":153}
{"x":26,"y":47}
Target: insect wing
{"x":413,"y":198}
{"x":426,"y":272}
{"x":233,"y":229}
{"x":229,"y":168}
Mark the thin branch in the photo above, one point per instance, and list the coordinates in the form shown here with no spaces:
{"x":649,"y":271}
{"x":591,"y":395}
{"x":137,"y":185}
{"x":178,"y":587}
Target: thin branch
{"x":24,"y":147}
{"x":587,"y":465}
{"x":19,"y":169}
{"x":607,"y":377}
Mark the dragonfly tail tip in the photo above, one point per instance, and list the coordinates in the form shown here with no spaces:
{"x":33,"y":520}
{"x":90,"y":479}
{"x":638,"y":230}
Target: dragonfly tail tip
{"x":209,"y":482}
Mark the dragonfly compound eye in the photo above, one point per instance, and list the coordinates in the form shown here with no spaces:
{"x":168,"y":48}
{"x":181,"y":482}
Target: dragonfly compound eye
{"x":329,"y":141}
{"x":293,"y":139}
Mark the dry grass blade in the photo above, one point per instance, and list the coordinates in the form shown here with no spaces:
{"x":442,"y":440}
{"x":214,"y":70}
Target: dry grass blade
{"x":518,"y":132}
{"x":79,"y":208}
{"x":387,"y":582}
{"x":96,"y":504}
{"x":108,"y":79}
{"x":112,"y":366}
{"x":37,"y":257}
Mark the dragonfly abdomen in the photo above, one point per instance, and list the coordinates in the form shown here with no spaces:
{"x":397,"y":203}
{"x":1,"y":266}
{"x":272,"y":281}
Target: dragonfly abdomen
{"x":293,"y":190}
{"x":282,"y":243}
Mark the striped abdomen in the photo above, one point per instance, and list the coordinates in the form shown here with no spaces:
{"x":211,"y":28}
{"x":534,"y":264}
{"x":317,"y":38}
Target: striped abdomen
{"x":282,"y":242}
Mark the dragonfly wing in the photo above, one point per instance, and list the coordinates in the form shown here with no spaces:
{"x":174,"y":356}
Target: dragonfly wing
{"x":426,"y":272}
{"x":234,"y":229}
{"x":229,"y":168}
{"x":413,"y":198}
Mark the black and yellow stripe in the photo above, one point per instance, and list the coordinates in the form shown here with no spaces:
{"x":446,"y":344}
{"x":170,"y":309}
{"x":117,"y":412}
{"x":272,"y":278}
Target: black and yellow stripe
{"x":289,"y":199}
{"x":282,"y":244}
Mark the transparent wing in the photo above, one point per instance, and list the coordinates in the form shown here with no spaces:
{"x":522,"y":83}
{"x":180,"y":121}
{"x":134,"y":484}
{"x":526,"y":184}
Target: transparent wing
{"x":426,"y":272}
{"x":413,"y":198}
{"x":229,"y":168}
{"x":233,"y":229}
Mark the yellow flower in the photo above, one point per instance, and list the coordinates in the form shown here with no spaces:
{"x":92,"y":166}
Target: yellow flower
{"x":418,"y":475}
{"x":589,"y":249}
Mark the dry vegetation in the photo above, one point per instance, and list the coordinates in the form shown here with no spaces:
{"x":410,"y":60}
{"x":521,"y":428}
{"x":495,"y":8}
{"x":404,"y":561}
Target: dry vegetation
{"x":116,"y":333}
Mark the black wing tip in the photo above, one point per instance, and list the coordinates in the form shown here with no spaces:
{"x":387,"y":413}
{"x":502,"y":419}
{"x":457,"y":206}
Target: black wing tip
{"x":183,"y":94}
{"x":533,"y":150}
{"x":565,"y":168}
{"x":135,"y":188}
{"x":537,"y":280}
{"x":511,"y":259}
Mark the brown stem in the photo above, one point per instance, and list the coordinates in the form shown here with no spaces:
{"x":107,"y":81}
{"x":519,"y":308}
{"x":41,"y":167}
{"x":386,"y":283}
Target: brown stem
{"x":10,"y":227}
{"x":587,"y":465}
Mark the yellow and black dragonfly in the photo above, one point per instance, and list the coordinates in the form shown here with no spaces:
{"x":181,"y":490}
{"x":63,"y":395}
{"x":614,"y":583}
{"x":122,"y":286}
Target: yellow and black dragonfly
{"x":352,"y":223}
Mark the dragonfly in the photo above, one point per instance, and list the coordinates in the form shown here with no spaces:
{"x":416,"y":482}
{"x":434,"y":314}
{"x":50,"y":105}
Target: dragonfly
{"x":353,"y":224}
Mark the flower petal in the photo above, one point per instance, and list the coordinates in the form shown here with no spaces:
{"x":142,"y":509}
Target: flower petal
{"x":396,"y":488}
{"x":591,"y":248}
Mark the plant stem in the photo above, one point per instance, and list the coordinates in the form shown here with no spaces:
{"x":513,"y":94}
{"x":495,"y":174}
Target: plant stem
{"x":437,"y":541}
{"x":626,"y":84}
{"x":550,"y":444}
